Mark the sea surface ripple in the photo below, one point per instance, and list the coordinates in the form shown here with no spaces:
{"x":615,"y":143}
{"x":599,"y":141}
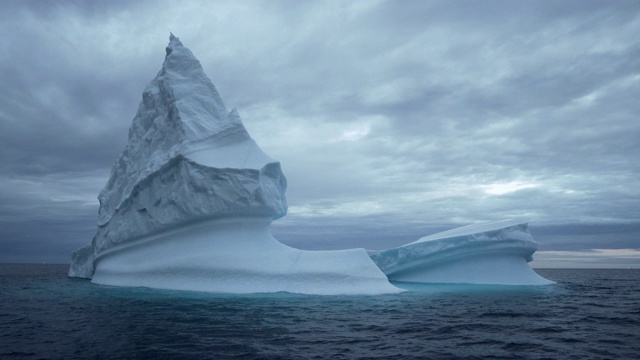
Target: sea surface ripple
{"x":589,"y":314}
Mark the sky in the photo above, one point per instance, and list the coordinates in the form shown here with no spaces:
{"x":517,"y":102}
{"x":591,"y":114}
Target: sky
{"x":392,"y":119}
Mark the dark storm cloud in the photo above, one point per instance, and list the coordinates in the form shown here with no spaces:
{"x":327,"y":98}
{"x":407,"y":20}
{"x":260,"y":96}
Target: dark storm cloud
{"x":590,"y":236}
{"x":392,"y":120}
{"x":595,"y":258}
{"x":42,"y":217}
{"x":58,"y":114}
{"x":49,"y":241}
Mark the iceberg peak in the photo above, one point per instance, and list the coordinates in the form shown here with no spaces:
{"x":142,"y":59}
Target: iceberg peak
{"x":188,"y":159}
{"x":173,"y":42}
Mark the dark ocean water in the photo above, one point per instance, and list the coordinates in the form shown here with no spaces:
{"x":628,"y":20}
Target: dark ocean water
{"x":589,"y":314}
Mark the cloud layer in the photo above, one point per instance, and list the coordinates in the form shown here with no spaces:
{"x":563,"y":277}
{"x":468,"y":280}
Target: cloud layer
{"x":391,"y":119}
{"x":594,"y":258}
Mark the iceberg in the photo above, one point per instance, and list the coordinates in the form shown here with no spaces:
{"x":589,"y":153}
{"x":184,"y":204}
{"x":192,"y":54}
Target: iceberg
{"x":189,"y":203}
{"x":493,"y":253}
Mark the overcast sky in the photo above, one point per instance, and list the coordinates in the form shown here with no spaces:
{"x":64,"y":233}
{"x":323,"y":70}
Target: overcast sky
{"x":392,"y":119}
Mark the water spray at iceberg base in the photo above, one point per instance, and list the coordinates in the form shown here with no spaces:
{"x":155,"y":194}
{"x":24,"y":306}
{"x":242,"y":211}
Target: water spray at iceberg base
{"x":190,"y":201}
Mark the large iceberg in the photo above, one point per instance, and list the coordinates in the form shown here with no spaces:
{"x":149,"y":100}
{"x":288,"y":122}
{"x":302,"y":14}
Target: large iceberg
{"x":189,"y":203}
{"x":493,"y":253}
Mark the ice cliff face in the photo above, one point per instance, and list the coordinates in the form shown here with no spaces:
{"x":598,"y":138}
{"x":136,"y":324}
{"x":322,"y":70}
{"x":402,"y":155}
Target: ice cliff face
{"x":188,"y":159}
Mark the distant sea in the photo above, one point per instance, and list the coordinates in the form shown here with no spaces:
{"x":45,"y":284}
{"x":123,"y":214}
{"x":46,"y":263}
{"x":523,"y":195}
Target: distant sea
{"x":588,"y":314}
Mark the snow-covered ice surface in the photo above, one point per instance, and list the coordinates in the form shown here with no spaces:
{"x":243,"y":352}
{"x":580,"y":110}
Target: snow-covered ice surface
{"x":189,"y":203}
{"x":492,"y":253}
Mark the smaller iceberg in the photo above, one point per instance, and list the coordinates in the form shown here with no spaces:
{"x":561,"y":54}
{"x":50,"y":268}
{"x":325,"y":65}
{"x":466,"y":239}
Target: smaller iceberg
{"x":492,"y":253}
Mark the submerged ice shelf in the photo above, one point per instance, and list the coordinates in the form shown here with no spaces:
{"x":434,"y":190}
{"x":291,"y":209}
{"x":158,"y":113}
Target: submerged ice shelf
{"x":190,"y":200}
{"x":493,"y":253}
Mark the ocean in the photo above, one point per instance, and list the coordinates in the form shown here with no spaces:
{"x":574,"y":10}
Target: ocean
{"x":588,"y":314}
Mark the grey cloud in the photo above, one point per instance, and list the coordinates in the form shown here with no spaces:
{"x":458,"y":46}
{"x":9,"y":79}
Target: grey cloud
{"x":580,"y":237}
{"x":49,"y":9}
{"x":384,"y":232}
{"x":59,"y":114}
{"x":45,"y":219}
{"x":456,"y":96}
{"x":44,"y":241}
